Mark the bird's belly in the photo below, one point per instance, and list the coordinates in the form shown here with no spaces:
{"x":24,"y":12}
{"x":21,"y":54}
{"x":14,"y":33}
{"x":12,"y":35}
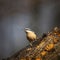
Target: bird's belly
{"x":31,"y":37}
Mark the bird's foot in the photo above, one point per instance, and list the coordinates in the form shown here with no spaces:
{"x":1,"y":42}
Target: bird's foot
{"x":31,"y":44}
{"x":29,"y":49}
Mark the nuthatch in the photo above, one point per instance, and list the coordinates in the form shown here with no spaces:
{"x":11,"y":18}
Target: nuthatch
{"x":31,"y":36}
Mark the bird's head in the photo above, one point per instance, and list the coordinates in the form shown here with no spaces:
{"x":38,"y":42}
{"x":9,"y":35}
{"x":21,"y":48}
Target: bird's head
{"x":27,"y":30}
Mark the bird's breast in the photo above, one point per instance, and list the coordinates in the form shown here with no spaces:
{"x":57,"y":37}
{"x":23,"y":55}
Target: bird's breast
{"x":31,"y":36}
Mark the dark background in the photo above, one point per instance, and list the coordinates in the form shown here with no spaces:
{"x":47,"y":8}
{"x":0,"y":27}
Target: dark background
{"x":15,"y":15}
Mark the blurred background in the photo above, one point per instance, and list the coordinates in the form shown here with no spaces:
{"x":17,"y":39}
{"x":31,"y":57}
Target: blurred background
{"x":15,"y":15}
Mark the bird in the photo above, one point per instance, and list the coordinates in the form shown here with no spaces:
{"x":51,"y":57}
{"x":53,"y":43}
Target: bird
{"x":31,"y":36}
